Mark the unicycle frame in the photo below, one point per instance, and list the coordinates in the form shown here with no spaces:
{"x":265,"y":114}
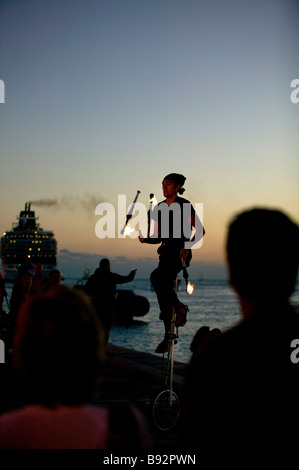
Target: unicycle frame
{"x":166,"y":405}
{"x":172,"y":335}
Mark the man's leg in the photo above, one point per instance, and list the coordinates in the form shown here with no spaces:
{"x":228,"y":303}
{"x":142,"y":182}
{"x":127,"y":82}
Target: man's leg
{"x":163,"y":281}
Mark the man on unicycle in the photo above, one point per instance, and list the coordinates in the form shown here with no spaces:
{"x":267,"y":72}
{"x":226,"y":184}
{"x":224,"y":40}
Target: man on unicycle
{"x":173,"y":219}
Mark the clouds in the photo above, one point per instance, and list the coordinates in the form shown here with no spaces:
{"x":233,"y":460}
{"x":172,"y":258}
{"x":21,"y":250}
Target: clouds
{"x":73,"y":264}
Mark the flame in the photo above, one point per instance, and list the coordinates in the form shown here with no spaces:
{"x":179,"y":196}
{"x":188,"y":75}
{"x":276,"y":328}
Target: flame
{"x":128,"y":230}
{"x":189,"y":288}
{"x":153,"y":201}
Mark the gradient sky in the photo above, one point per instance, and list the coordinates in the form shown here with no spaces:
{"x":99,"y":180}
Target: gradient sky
{"x":106,"y":97}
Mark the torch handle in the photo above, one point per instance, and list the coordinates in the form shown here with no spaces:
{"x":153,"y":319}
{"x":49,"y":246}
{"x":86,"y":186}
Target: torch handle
{"x":129,"y":214}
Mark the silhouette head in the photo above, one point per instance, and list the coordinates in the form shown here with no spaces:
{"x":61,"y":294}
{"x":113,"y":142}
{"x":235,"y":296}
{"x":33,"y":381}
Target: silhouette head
{"x":105,"y":264}
{"x":177,"y":179}
{"x":26,"y":280}
{"x":263,"y":255}
{"x":57,"y":352}
{"x":55,"y":277}
{"x":38,"y":268}
{"x":202,"y":334}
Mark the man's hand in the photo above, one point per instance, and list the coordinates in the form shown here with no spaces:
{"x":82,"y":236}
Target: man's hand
{"x":184,"y":253}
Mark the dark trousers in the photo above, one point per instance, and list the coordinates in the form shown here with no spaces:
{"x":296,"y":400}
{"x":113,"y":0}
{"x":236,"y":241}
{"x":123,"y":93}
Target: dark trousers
{"x":163,"y":281}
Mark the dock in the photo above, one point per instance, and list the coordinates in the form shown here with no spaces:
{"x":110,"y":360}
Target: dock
{"x":130,"y":378}
{"x":140,"y":367}
{"x":135,"y":378}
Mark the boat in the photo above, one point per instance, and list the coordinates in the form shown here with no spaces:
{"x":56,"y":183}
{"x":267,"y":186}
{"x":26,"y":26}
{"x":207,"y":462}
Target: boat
{"x":129,"y":305}
{"x":84,"y":278}
{"x":27,"y":244}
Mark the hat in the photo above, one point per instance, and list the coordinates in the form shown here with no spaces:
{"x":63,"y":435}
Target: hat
{"x":176,"y":178}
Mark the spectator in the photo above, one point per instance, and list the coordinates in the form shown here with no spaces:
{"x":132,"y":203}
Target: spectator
{"x":3,"y":294}
{"x":241,"y":393}
{"x":22,"y":289}
{"x":101,"y":287}
{"x":201,"y":336}
{"x":54,"y":278}
{"x":58,"y":354}
{"x":40,"y":281}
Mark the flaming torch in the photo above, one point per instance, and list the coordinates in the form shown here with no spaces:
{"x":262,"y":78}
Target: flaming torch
{"x":126,"y":229}
{"x":189,"y":286}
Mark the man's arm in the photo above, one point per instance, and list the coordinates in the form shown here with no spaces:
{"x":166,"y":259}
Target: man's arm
{"x":154,"y":238}
{"x":124,"y":279}
{"x":199,"y":231}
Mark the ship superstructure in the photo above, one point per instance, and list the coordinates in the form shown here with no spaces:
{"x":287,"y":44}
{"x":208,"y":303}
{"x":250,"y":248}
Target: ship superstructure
{"x":26,"y":244}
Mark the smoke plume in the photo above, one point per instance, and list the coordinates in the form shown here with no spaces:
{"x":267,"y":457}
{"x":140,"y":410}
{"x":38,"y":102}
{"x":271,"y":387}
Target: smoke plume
{"x":87,"y":203}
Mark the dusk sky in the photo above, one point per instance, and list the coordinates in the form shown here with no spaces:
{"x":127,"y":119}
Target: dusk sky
{"x":106,"y":97}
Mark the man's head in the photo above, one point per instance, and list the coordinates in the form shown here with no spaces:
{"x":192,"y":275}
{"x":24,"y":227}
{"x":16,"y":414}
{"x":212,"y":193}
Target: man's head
{"x":58,"y":348}
{"x":55,"y":277}
{"x":105,"y":264}
{"x":172,"y":184}
{"x":263,"y":255}
{"x":26,"y":280}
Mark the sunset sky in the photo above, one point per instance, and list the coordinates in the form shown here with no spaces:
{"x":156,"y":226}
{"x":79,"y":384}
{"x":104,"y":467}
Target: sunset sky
{"x":106,"y":97}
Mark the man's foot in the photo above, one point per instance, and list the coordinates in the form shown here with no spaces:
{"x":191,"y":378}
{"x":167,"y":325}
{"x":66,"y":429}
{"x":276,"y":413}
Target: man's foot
{"x":181,"y":314}
{"x":162,"y":347}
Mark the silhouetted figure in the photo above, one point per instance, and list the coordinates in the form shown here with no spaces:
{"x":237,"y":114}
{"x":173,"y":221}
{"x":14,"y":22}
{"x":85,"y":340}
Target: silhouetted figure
{"x":203,"y":334}
{"x":3,"y":294}
{"x":58,"y":358}
{"x":22,"y":289}
{"x":54,"y":278}
{"x":171,"y":231}
{"x":241,"y":394}
{"x":101,"y":287}
{"x":40,"y":281}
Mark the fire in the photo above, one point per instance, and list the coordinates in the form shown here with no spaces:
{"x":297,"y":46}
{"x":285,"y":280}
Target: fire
{"x":128,"y":230}
{"x":153,"y":201}
{"x":190,"y":288}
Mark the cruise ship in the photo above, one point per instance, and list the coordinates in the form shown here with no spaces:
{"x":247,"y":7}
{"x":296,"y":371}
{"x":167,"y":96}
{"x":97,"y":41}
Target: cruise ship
{"x":26,"y":244}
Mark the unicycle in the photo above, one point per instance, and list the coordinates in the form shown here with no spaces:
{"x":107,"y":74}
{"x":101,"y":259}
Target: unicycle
{"x":166,"y":405}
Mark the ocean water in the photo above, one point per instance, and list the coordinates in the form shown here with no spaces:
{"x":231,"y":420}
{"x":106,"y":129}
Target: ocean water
{"x":213,"y":303}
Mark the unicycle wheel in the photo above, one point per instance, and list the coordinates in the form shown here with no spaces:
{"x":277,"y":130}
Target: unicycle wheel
{"x":166,"y":410}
